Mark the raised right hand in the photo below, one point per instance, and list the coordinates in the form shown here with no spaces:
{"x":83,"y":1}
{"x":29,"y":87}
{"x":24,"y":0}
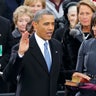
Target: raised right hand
{"x":24,"y":43}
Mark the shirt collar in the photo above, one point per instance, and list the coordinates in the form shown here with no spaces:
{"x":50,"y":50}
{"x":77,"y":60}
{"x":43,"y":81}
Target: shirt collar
{"x":40,"y":43}
{"x":39,"y":40}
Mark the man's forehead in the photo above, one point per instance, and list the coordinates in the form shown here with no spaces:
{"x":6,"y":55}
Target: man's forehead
{"x":47,"y":17}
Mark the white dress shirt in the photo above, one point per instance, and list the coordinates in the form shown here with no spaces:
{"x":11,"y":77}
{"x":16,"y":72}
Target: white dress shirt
{"x":40,"y":43}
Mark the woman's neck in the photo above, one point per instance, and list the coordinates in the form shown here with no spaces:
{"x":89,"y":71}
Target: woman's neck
{"x":57,"y":2}
{"x":86,"y":29}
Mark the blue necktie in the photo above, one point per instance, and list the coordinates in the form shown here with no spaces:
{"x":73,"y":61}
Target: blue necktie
{"x":47,"y":56}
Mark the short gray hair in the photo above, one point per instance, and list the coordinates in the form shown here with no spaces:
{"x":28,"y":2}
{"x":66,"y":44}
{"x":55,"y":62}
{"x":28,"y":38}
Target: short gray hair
{"x":40,"y":13}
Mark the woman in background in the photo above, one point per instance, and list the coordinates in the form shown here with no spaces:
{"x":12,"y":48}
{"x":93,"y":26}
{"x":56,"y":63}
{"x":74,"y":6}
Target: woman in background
{"x":21,"y":17}
{"x":35,"y":5}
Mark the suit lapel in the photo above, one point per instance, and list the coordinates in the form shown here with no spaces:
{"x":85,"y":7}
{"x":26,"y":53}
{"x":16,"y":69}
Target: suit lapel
{"x":36,"y":52}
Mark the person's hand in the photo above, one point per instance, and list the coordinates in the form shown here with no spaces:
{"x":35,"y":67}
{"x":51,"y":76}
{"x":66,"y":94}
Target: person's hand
{"x":81,"y":76}
{"x":24,"y":43}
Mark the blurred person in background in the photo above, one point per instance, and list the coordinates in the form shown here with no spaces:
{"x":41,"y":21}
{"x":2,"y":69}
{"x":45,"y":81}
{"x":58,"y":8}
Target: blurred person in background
{"x":21,"y":17}
{"x":55,"y":6}
{"x":35,"y":5}
{"x":85,"y":9}
{"x":71,"y":20}
{"x":62,"y":21}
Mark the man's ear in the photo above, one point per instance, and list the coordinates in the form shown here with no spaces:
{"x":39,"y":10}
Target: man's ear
{"x":34,"y":24}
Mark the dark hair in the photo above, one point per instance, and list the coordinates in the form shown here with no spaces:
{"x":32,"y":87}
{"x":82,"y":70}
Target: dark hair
{"x":40,"y":13}
{"x":65,"y":2}
{"x":93,"y":23}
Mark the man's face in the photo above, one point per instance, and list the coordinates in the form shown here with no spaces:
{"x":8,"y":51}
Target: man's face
{"x":44,"y":27}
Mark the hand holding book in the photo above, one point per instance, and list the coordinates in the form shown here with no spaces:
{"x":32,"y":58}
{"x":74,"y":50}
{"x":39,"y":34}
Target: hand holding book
{"x":82,"y":81}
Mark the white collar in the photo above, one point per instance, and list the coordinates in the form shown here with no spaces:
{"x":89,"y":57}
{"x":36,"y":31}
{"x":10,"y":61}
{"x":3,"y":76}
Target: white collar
{"x":40,"y":43}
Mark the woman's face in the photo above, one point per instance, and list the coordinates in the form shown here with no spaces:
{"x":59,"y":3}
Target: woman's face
{"x":94,"y":30}
{"x":85,"y":15}
{"x":36,"y":6}
{"x":72,"y":17}
{"x":22,"y":22}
